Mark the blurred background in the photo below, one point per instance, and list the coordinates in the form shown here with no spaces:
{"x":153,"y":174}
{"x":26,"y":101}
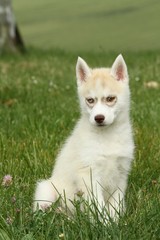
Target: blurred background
{"x":96,"y":25}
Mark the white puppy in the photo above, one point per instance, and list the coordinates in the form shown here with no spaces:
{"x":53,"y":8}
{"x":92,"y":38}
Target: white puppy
{"x":97,"y":156}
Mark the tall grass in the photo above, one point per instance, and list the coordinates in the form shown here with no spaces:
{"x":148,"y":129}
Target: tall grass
{"x":38,"y":109}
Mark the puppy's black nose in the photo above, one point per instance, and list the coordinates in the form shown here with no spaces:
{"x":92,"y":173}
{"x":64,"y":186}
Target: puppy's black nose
{"x":99,"y":118}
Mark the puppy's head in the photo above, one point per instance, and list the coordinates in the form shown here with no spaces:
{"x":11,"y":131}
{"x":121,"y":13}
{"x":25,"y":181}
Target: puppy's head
{"x":103,"y":92}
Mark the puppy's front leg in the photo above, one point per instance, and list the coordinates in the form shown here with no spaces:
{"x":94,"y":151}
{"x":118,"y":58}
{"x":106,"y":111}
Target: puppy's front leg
{"x":116,"y":204}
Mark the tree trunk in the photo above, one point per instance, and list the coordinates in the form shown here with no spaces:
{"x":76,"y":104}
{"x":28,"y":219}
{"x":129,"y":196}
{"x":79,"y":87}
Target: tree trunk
{"x":10,"y":36}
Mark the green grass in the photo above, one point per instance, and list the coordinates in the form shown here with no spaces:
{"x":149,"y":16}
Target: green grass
{"x":38,"y":109}
{"x":87,"y":25}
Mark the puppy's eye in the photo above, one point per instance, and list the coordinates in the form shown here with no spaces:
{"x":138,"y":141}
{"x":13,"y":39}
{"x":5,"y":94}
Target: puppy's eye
{"x":90,"y":100}
{"x":110,"y":100}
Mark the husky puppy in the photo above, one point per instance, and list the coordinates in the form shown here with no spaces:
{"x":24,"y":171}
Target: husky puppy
{"x":97,"y":155}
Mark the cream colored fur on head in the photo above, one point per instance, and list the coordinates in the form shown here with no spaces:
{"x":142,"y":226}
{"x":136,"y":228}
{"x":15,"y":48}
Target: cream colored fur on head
{"x":101,"y":145}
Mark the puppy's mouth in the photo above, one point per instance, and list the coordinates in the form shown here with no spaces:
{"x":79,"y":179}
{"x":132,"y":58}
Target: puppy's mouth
{"x":101,"y":125}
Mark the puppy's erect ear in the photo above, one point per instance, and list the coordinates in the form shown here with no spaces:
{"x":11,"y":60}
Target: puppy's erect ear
{"x":119,"y":69}
{"x":82,"y":71}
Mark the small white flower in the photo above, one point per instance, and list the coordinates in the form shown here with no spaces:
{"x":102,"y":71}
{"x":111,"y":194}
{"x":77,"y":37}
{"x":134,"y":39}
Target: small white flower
{"x":61,"y":235}
{"x":35,"y":81}
{"x":7,"y":180}
{"x":9,"y":220}
{"x":137,"y":78}
{"x":51,"y":84}
{"x":152,"y":84}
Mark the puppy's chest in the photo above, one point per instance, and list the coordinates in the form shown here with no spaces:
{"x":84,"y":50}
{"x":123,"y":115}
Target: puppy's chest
{"x":107,"y":167}
{"x":104,"y":154}
{"x":99,"y":152}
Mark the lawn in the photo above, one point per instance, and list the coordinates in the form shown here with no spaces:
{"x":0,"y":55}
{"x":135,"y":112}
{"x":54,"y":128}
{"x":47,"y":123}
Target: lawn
{"x":90,"y":24}
{"x":38,"y":109}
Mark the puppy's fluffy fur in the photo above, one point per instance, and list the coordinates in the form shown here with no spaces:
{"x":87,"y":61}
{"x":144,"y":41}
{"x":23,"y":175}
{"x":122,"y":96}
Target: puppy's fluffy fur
{"x":101,"y":145}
